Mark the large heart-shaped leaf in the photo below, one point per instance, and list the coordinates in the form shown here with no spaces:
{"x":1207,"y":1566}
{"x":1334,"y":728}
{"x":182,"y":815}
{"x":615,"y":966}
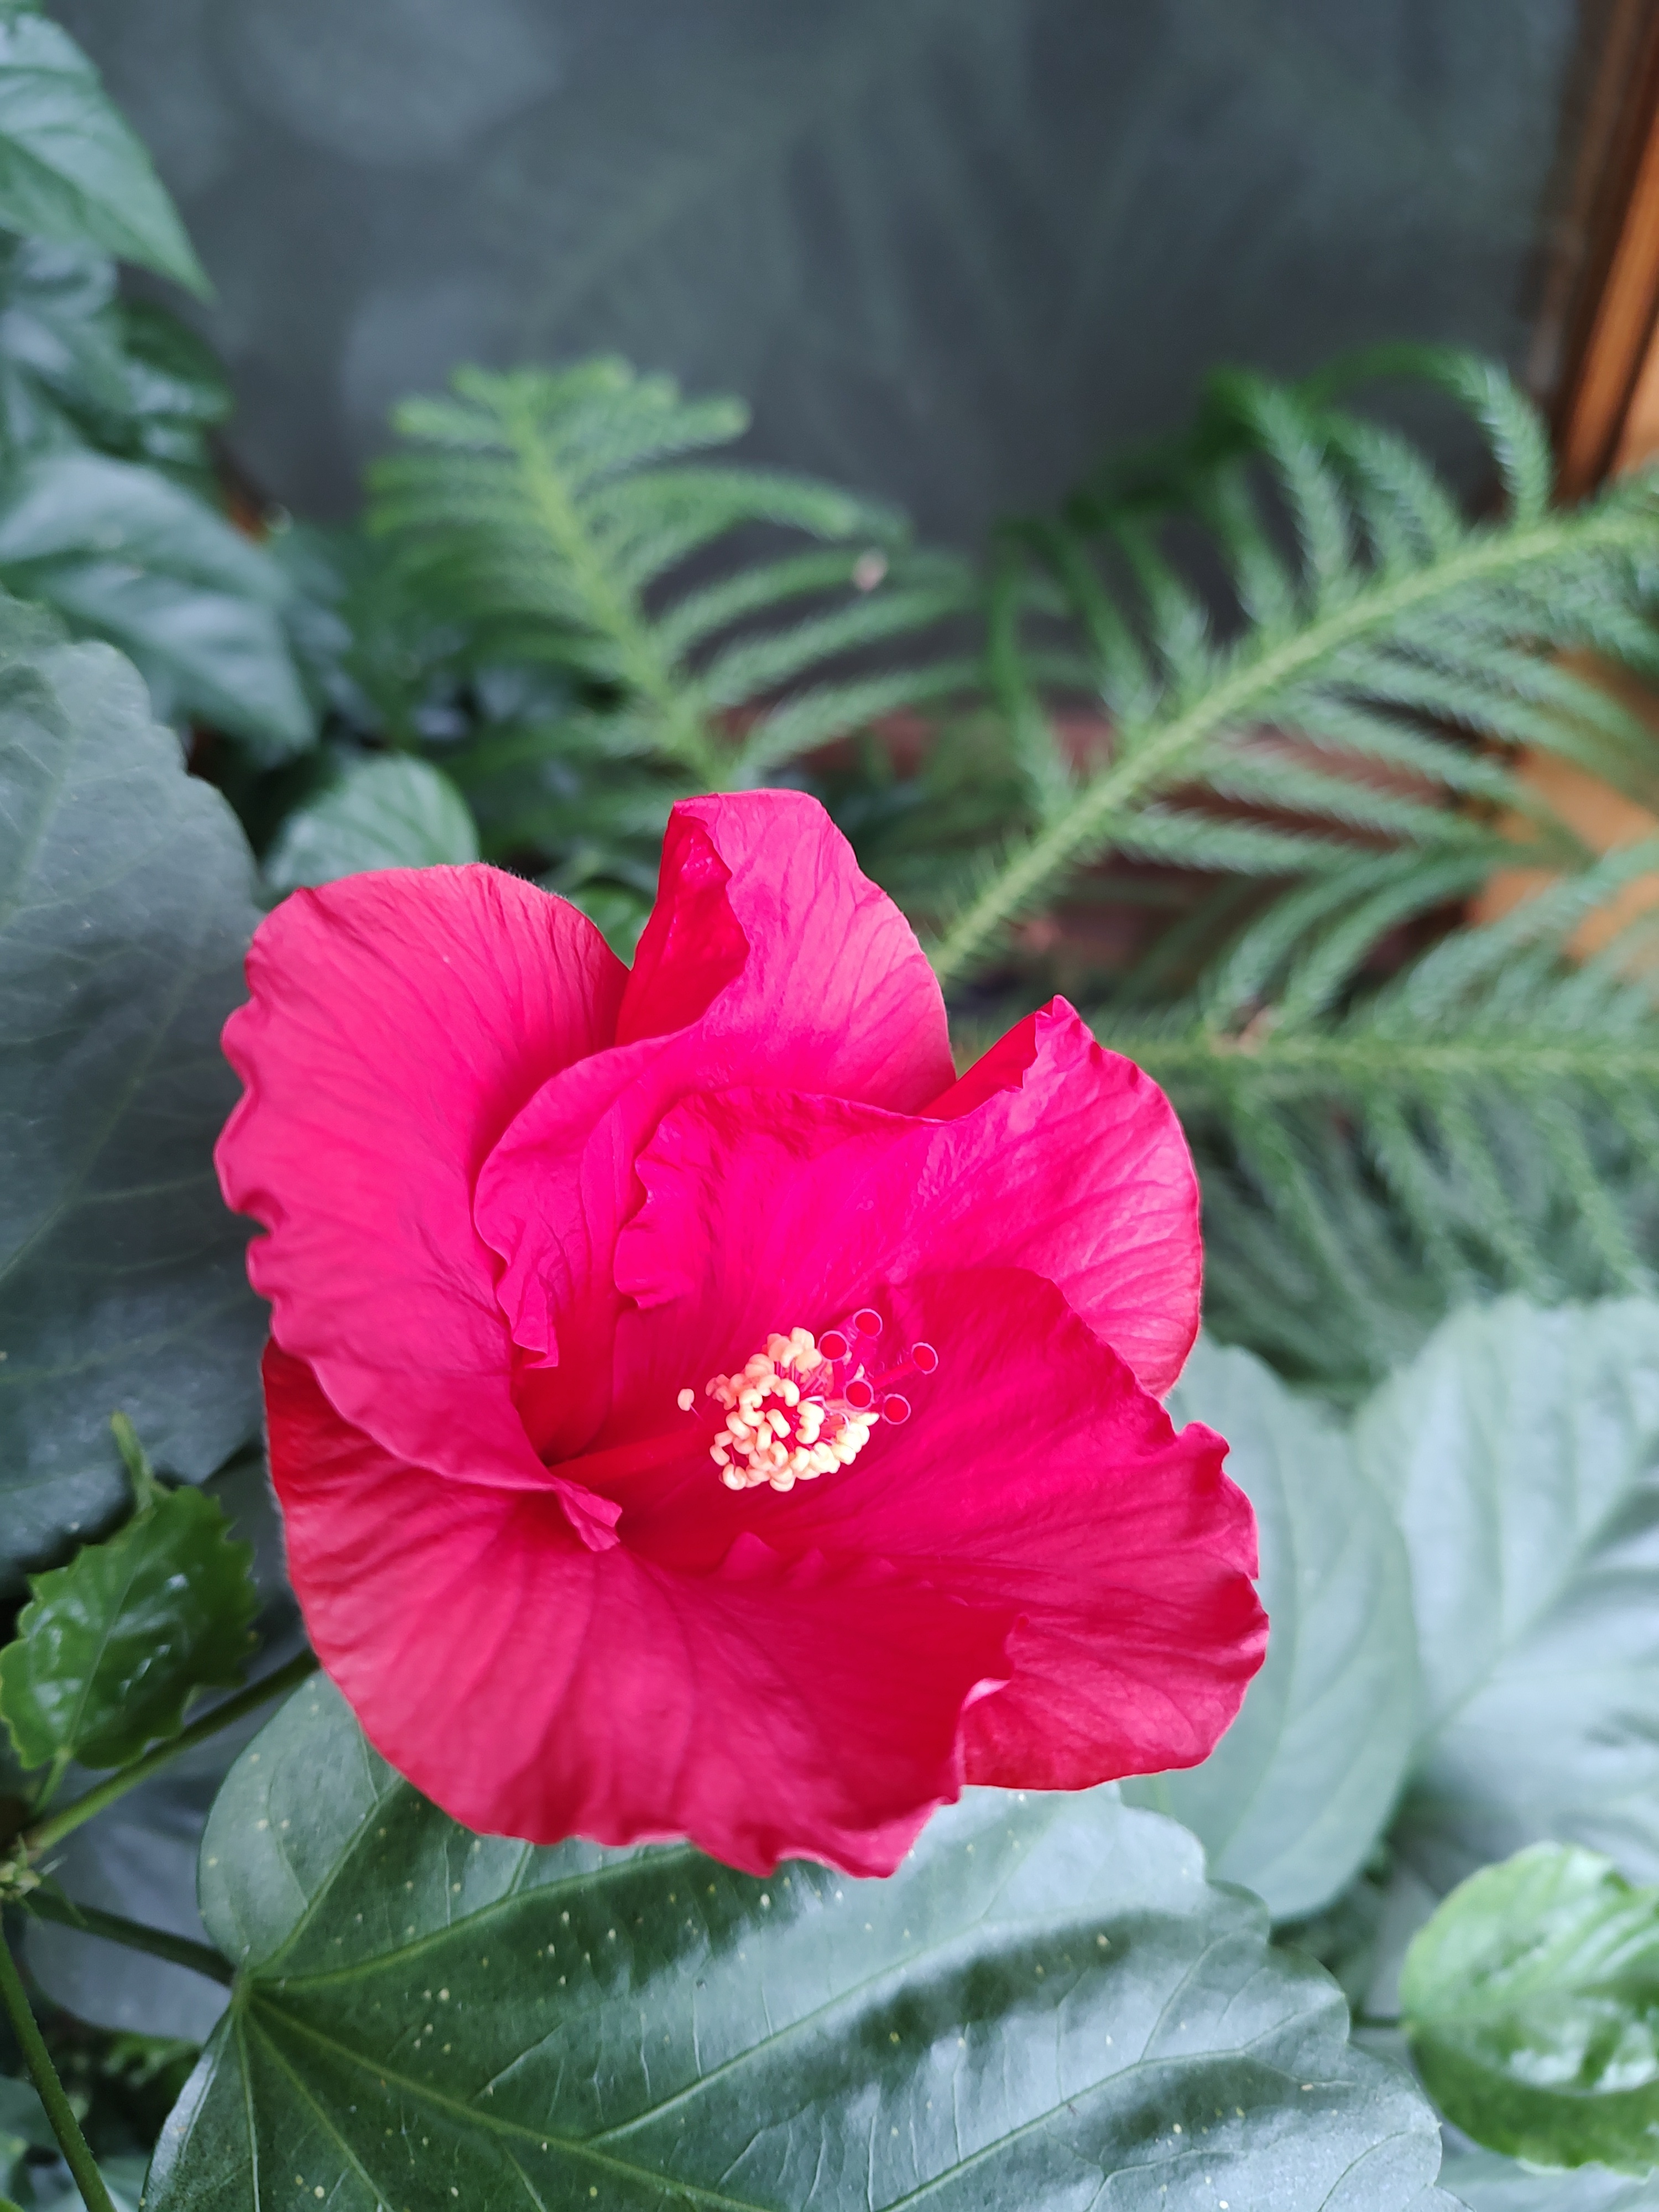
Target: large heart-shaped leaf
{"x":1047,"y":1993}
{"x":396,"y":812}
{"x":1531,"y":1999}
{"x":125,"y":909}
{"x":1296,"y":1794}
{"x":1520,"y":1449}
{"x":69,"y":168}
{"x":128,"y":555}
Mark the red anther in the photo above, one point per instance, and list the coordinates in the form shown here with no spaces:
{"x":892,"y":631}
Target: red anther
{"x":895,"y":1408}
{"x":859,"y":1395}
{"x":923,"y":1358}
{"x":833,"y":1344}
{"x":867,"y":1322}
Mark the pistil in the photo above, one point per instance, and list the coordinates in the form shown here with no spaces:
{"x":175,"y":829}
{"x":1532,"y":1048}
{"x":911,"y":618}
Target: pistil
{"x":803,"y":1407}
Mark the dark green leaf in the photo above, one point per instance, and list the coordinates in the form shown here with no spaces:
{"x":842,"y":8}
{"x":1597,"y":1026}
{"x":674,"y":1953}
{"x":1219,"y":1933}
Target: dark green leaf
{"x":1532,"y":2002}
{"x":1521,"y":1450}
{"x":1295,"y":1796}
{"x":111,"y":1649}
{"x":69,"y":168}
{"x":1047,"y":1993}
{"x":78,"y":367}
{"x":23,"y":2127}
{"x":126,"y":553}
{"x":126,"y":907}
{"x":391,"y":812}
{"x":60,"y":348}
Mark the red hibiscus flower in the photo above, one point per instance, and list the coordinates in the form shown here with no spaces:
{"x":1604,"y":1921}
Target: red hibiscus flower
{"x":695,"y":1411}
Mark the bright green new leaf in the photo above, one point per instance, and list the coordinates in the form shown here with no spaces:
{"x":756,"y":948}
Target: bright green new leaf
{"x":111,"y":1649}
{"x":1484,"y":2181}
{"x":1532,"y":2002}
{"x":69,"y":168}
{"x":1521,"y":1450}
{"x":126,"y":907}
{"x":1047,"y":1993}
{"x":125,"y":553}
{"x":1295,"y":1796}
{"x":391,"y":812}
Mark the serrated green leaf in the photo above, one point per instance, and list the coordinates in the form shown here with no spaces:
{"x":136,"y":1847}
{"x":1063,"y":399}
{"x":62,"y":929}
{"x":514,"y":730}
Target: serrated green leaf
{"x":1047,"y":1993}
{"x":126,"y":907}
{"x":1531,"y":2000}
{"x":126,"y":553}
{"x":1521,"y":1451}
{"x":392,"y":813}
{"x":1295,"y":1796}
{"x":111,"y":1649}
{"x":70,"y":170}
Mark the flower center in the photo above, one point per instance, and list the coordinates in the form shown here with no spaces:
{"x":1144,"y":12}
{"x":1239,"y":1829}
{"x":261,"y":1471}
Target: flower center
{"x":803,"y":1407}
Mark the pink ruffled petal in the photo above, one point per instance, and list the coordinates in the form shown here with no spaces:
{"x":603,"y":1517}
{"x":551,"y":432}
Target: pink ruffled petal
{"x":768,"y":959}
{"x":1074,"y":1166}
{"x":768,"y":941}
{"x":1034,"y":1474}
{"x":398,"y":1022}
{"x":534,"y":1688}
{"x":1051,"y":1155}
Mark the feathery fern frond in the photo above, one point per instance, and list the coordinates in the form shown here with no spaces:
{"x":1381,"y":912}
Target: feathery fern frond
{"x":1486,"y":1119}
{"x":563,"y":518}
{"x":1373,"y":661}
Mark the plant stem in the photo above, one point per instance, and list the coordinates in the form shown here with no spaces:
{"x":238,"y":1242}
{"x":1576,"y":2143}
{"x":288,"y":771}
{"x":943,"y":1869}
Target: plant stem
{"x":45,"y":1833}
{"x":114,"y":1928}
{"x":77,"y":2156}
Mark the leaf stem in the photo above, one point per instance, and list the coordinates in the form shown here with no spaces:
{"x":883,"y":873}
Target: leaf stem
{"x":612,"y":608}
{"x":77,"y":2155}
{"x":45,"y":1833}
{"x":136,"y":1934}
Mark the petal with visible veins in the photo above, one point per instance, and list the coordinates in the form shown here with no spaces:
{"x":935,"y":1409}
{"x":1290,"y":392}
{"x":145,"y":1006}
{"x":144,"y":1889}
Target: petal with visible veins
{"x":1034,"y":1475}
{"x":535,"y":1688}
{"x":1071,"y":1164}
{"x":398,"y":1022}
{"x":768,"y":959}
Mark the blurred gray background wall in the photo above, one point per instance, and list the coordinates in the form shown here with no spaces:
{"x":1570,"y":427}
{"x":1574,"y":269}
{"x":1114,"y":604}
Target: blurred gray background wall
{"x":948,"y":248}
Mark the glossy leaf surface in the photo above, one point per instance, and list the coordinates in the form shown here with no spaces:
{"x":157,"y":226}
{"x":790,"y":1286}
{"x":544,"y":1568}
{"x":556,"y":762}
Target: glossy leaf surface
{"x":1532,"y":2002}
{"x":1296,"y":1794}
{"x":1486,"y":2181}
{"x":1047,"y":1993}
{"x":391,"y":812}
{"x":125,"y":909}
{"x":110,"y":1648}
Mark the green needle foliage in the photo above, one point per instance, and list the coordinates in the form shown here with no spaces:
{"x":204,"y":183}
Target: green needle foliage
{"x":560,"y":521}
{"x":1390,"y":1114}
{"x":1304,"y":650}
{"x":1375,"y":1152}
